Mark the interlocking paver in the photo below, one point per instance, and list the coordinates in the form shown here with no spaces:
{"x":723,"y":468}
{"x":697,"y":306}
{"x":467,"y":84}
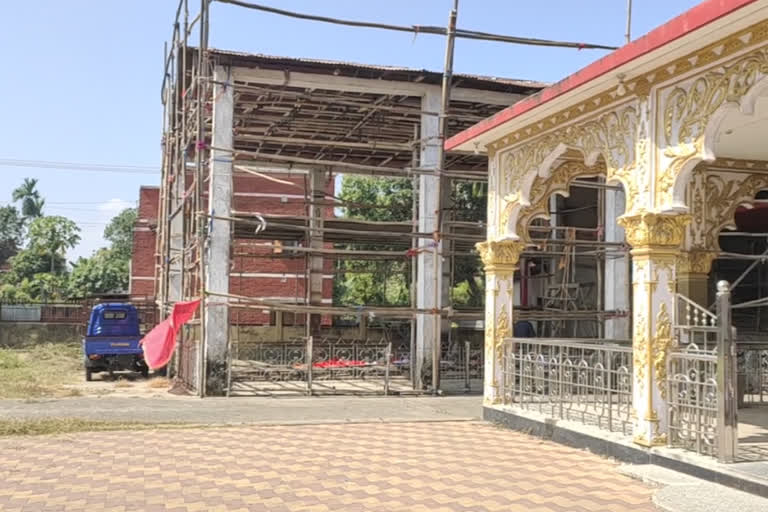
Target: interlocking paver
{"x":456,"y":466}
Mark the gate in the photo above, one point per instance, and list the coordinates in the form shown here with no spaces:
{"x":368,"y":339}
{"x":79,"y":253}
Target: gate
{"x":701,"y":379}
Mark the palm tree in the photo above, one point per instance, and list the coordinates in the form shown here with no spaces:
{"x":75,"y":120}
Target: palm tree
{"x":31,"y":202}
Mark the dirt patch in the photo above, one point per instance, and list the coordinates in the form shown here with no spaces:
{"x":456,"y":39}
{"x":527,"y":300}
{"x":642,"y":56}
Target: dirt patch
{"x":56,"y":370}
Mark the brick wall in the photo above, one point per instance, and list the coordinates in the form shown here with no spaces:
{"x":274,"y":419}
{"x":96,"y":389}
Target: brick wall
{"x":144,"y":260}
{"x":256,"y":271}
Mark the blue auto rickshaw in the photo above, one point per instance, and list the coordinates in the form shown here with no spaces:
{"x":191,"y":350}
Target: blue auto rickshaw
{"x":112,"y":340}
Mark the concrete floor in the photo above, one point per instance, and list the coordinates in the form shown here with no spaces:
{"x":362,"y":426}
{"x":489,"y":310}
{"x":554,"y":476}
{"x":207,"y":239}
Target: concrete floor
{"x":262,"y":410}
{"x":753,"y":433}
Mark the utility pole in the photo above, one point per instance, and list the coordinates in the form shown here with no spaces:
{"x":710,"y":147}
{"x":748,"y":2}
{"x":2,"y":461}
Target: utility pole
{"x":628,"y":34}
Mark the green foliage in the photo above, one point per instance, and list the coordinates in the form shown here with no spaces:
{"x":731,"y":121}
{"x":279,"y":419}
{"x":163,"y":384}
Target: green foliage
{"x":53,"y":234}
{"x":106,"y":271}
{"x":379,"y":283}
{"x":35,"y":260}
{"x":377,"y":199}
{"x":31,"y":202}
{"x":39,"y":272}
{"x":11,"y":232}
{"x":388,"y":282}
{"x":119,"y":232}
{"x":14,"y":293}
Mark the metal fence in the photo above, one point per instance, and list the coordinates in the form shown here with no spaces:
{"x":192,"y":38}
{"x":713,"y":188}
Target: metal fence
{"x":461,"y":366}
{"x":318,"y":366}
{"x":589,"y":381}
{"x":702,"y":380}
{"x":752,"y":370}
{"x":692,"y":395}
{"x":694,"y":324}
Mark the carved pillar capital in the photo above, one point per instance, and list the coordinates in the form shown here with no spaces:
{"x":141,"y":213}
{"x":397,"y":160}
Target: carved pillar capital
{"x":500,"y":255}
{"x":651,"y":230}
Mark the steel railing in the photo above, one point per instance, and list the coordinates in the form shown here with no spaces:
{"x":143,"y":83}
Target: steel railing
{"x":584,"y":380}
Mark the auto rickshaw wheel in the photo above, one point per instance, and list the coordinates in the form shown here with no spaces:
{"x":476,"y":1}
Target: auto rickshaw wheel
{"x":88,"y":375}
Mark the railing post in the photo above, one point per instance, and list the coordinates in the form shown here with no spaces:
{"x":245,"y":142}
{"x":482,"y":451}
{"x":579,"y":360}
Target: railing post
{"x":609,"y":388}
{"x":466,"y":371}
{"x":387,"y":356}
{"x":727,"y":422}
{"x":309,"y":365}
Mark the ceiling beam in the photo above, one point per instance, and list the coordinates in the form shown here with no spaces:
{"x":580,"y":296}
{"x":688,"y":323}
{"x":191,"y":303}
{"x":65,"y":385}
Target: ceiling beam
{"x":365,"y":85}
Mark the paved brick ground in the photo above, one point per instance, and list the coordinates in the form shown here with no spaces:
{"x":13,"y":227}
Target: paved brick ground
{"x":449,"y":466}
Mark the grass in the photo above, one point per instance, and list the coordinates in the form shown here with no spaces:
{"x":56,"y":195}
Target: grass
{"x":41,"y":370}
{"x":50,"y":426}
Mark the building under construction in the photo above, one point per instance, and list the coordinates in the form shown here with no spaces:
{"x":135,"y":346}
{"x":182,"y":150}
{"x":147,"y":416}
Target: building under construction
{"x":253,"y":146}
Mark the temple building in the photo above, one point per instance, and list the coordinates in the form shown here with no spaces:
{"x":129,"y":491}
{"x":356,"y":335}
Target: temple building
{"x":668,"y":133}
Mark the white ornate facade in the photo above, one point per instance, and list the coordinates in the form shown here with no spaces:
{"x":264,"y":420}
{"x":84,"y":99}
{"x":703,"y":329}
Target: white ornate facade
{"x":658,"y":131}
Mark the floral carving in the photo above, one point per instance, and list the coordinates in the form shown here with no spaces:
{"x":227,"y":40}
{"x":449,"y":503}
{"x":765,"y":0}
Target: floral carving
{"x":687,"y":111}
{"x":662,"y":342}
{"x":500,"y":255}
{"x":649,"y":229}
{"x":610,"y":135}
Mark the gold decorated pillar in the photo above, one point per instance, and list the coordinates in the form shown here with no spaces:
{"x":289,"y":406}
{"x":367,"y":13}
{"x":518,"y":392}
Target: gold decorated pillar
{"x":500,"y":260}
{"x":655,"y":239}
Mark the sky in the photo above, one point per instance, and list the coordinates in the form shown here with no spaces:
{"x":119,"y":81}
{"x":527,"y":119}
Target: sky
{"x":81,"y":78}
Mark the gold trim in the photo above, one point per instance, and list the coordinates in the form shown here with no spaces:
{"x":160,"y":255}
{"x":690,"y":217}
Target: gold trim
{"x":502,"y":255}
{"x":646,"y":229}
{"x":662,"y":343}
{"x":688,"y":108}
{"x":749,"y":37}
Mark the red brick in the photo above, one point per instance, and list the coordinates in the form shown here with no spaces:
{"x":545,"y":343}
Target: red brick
{"x":245,"y":258}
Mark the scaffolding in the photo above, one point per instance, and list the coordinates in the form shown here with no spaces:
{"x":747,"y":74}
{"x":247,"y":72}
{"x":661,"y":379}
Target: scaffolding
{"x":232,"y":118}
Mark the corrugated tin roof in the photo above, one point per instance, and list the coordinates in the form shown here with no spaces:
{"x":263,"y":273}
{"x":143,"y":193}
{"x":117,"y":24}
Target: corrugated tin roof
{"x":396,"y":73}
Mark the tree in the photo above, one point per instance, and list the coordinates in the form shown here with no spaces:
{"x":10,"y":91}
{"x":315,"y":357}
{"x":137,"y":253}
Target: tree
{"x":11,"y":232}
{"x":388,"y":282}
{"x":119,"y":232}
{"x":374,"y":282}
{"x":53,"y":235}
{"x":106,"y":271}
{"x":377,"y":199}
{"x":31,"y":202}
{"x":39,"y":271}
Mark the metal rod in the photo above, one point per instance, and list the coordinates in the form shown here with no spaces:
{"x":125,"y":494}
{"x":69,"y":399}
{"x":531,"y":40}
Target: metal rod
{"x":388,"y":357}
{"x":467,"y":346}
{"x":309,"y":365}
{"x":727,"y":422}
{"x":628,"y":33}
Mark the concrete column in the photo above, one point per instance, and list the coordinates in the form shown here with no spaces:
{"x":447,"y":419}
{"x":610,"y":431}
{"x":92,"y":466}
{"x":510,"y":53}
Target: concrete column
{"x":317,"y":181}
{"x":429,"y":267}
{"x":216,"y":335}
{"x":616,"y":271}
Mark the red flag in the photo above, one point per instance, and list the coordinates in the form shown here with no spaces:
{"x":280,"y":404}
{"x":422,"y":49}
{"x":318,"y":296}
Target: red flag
{"x":159,"y":343}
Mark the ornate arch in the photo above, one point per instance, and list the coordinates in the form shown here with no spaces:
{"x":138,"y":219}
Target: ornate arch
{"x":558,"y":182}
{"x":691,"y":116}
{"x":528,"y":170}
